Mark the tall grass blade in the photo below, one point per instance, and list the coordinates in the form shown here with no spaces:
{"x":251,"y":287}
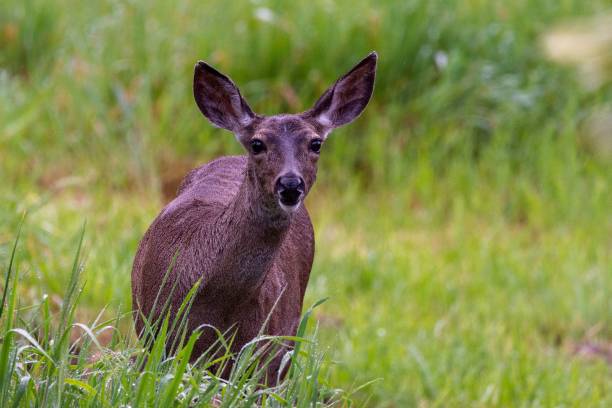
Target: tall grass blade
{"x":10,"y":294}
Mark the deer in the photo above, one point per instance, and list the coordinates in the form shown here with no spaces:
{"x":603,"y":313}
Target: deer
{"x":238,"y":225}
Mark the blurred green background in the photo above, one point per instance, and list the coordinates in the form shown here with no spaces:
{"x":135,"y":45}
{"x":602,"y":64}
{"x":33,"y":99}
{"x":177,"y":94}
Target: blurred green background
{"x":463,"y":222}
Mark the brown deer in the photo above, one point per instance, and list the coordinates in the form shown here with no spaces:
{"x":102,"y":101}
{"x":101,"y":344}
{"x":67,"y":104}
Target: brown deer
{"x":237,"y":224}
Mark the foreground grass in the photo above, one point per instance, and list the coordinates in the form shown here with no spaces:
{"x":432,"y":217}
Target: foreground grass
{"x":48,"y":358}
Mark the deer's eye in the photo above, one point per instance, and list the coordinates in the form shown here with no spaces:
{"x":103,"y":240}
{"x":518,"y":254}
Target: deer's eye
{"x":257,"y":146}
{"x":315,"y":145}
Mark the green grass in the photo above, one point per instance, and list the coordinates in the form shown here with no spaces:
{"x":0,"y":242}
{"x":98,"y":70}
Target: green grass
{"x":49,"y":359}
{"x":463,"y":222}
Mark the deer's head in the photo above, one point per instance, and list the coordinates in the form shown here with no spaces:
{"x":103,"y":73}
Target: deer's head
{"x":283,"y":149}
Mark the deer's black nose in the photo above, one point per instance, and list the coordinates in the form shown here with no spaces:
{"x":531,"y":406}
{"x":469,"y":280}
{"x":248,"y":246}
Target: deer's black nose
{"x":291,"y":182}
{"x":290,"y":189}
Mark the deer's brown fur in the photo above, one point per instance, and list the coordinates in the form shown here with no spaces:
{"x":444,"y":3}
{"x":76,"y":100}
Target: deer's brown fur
{"x":230,"y":225}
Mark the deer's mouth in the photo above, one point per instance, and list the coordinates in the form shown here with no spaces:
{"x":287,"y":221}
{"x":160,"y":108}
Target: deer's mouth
{"x":290,"y":199}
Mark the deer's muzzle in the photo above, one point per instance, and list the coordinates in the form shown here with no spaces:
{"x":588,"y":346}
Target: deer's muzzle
{"x":290,"y":189}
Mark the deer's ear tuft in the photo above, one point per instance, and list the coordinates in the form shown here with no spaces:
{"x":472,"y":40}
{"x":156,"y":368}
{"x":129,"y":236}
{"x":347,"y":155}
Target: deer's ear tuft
{"x":347,"y":98}
{"x":219,"y":99}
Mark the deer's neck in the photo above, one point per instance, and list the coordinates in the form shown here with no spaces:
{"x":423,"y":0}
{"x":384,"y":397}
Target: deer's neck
{"x":255,"y":229}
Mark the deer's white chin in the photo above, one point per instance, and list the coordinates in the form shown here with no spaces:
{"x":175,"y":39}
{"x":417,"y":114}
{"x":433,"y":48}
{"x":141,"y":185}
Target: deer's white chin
{"x":289,"y":208}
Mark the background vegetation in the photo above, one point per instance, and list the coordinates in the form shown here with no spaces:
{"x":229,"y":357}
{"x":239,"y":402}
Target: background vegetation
{"x":463,"y":222}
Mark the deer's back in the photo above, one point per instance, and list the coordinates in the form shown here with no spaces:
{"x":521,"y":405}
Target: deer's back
{"x":215,"y":182}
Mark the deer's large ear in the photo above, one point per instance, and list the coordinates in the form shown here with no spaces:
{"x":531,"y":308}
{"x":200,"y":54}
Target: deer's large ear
{"x":347,"y":98}
{"x":219,"y":99}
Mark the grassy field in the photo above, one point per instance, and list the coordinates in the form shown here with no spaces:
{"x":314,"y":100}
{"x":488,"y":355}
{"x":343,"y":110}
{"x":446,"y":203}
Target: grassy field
{"x":463,"y":223}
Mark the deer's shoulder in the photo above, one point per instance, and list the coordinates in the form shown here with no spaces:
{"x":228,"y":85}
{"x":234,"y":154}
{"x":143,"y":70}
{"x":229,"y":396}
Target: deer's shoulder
{"x":225,"y":172}
{"x":208,"y":188}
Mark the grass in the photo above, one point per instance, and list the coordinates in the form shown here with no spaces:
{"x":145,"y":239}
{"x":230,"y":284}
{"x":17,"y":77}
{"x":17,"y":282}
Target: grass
{"x":462,"y":223}
{"x":49,"y":359}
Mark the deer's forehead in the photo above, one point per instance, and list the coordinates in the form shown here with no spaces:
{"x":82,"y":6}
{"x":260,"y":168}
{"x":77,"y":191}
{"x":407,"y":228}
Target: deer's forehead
{"x":284,"y":128}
